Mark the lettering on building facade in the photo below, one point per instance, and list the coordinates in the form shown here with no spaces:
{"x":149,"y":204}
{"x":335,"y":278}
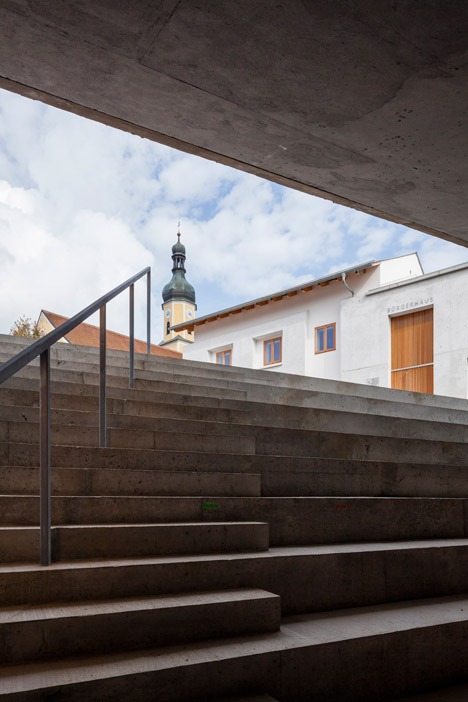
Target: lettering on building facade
{"x":410,"y":305}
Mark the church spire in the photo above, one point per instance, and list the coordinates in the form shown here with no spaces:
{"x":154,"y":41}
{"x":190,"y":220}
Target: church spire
{"x":178,"y":301}
{"x":178,"y":287}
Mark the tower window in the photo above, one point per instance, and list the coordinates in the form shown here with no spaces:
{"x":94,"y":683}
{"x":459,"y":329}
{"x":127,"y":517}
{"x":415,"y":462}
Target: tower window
{"x":168,"y":327}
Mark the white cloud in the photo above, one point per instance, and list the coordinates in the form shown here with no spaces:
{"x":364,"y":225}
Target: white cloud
{"x":65,"y":272}
{"x":83,"y":207}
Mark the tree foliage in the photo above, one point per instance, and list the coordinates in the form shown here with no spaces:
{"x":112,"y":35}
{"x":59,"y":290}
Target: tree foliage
{"x":26,"y":327}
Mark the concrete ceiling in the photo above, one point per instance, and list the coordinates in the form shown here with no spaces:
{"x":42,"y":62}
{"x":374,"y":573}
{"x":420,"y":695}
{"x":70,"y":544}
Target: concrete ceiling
{"x":364,"y":102}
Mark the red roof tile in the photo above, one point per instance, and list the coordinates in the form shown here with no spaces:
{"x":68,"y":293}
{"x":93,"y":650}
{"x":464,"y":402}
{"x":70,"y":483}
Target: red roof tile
{"x":88,"y":335}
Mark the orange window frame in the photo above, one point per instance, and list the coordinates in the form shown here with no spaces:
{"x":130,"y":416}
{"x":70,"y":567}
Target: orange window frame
{"x":272,"y":342}
{"x":222,"y":355}
{"x":325,"y":327}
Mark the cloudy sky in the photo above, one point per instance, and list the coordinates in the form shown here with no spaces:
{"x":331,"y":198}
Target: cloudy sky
{"x":84,"y":206}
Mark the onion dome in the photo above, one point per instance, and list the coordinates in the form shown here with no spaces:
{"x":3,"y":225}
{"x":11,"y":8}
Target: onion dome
{"x":178,"y":288}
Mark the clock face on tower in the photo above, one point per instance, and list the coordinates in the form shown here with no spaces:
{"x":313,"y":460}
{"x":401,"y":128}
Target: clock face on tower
{"x":168,"y":313}
{"x":189,"y":314}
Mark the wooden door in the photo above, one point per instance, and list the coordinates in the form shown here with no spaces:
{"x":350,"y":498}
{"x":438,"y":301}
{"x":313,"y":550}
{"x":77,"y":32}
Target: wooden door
{"x":413,"y":352}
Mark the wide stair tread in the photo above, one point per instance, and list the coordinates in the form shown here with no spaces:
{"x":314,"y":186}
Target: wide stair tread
{"x":58,"y":629}
{"x":301,"y":641}
{"x":329,"y":576}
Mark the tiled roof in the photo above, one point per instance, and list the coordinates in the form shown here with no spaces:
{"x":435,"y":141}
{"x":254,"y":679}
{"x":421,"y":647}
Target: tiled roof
{"x":88,"y":335}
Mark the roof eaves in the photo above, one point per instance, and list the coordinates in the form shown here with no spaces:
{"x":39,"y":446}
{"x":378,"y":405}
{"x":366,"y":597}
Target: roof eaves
{"x":273,"y":297}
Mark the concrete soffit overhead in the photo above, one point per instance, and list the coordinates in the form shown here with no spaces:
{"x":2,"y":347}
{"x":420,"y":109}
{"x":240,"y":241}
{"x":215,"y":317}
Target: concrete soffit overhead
{"x":363,"y":104}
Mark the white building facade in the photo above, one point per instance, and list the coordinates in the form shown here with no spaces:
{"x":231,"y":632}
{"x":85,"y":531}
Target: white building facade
{"x":382,"y":323}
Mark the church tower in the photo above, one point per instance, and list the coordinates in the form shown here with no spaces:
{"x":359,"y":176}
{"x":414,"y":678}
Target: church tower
{"x":178,"y":301}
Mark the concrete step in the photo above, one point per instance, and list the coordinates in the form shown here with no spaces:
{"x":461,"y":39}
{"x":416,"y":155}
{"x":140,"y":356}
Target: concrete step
{"x":76,"y":481}
{"x":267,"y":441}
{"x":120,"y":541}
{"x":143,"y":381}
{"x":55,"y":630}
{"x":334,"y":476}
{"x":141,"y":371}
{"x":226,"y":441}
{"x":267,"y":397}
{"x":396,"y":649}
{"x":292,"y":521}
{"x":355,"y":414}
{"x":84,"y":396}
{"x":258,"y":377}
{"x":194,"y":419}
{"x":307,"y":578}
{"x":83,"y":410}
{"x":280,"y":475}
{"x":416,"y":406}
{"x":290,"y":442}
{"x":30,"y":386}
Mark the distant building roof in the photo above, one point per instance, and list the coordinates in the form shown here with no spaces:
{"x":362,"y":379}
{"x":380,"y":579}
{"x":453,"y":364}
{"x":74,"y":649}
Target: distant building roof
{"x":88,"y":335}
{"x":273,"y":297}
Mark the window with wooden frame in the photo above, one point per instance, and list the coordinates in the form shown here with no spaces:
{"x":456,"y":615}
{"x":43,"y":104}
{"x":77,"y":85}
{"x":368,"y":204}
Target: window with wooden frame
{"x":224,"y":358}
{"x":325,"y":338}
{"x":272,"y":351}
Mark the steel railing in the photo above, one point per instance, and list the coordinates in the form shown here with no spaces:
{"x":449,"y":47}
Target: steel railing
{"x":41,"y":348}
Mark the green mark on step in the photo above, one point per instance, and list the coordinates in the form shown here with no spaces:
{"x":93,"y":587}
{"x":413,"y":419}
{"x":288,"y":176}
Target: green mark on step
{"x":209,"y":505}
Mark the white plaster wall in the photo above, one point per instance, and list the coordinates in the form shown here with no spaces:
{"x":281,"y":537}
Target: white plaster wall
{"x":365,"y":331}
{"x":245,"y":333}
{"x":294,"y":319}
{"x":362,"y":328}
{"x":365,"y":325}
{"x":325,"y":310}
{"x":396,"y":269}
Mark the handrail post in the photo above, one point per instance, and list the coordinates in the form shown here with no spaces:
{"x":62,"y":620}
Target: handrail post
{"x":132,"y":335}
{"x":148,"y":312}
{"x":44,"y":461}
{"x":102,"y":378}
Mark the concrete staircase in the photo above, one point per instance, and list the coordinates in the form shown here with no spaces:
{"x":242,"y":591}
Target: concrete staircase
{"x":246,"y":536}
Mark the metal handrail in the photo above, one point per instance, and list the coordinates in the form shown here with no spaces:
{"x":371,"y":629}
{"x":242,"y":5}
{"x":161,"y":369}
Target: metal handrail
{"x":41,"y":348}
